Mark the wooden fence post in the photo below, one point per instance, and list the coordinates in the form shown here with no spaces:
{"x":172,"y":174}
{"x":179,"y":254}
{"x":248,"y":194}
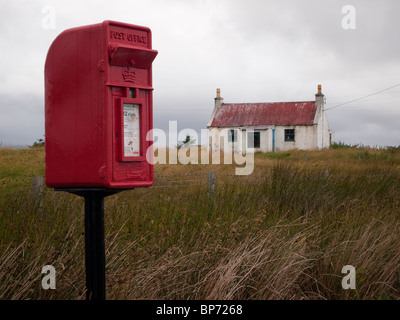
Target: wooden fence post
{"x":37,"y":184}
{"x":37,"y":190}
{"x":211,"y":182}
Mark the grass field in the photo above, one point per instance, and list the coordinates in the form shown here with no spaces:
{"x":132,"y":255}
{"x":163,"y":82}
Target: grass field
{"x":284,"y":232}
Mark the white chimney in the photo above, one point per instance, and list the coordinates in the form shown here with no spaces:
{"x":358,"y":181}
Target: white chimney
{"x":319,"y":98}
{"x":218,"y":99}
{"x":218,"y":103}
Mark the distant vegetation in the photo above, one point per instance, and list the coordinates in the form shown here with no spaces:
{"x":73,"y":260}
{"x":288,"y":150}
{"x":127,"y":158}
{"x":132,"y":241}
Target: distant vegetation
{"x":38,"y":143}
{"x":284,"y":232}
{"x":342,"y":145}
{"x":187,"y":143}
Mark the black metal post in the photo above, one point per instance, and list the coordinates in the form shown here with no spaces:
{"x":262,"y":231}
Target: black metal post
{"x":95,"y":259}
{"x":94,"y":245}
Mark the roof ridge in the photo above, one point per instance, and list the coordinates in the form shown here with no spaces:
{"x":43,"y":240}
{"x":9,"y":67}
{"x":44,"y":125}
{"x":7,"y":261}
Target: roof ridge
{"x":265,"y":113}
{"x":231,"y":103}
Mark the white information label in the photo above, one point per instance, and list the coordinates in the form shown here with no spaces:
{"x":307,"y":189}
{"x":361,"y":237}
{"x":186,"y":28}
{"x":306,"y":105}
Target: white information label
{"x":131,"y":130}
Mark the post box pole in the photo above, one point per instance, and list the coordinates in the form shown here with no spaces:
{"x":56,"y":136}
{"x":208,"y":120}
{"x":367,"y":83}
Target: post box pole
{"x":95,"y":259}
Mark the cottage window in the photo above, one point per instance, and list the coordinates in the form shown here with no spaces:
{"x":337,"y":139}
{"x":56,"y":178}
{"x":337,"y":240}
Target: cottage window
{"x":289,"y":134}
{"x":253,"y":140}
{"x":232,"y":136}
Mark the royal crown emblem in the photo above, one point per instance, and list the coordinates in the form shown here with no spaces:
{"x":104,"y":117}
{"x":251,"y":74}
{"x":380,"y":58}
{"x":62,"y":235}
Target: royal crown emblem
{"x":128,"y":75}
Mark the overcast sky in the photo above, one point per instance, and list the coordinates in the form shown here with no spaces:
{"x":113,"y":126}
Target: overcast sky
{"x":254,"y":50}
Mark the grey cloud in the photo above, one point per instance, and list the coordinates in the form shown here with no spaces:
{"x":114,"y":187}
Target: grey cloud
{"x":254,"y":51}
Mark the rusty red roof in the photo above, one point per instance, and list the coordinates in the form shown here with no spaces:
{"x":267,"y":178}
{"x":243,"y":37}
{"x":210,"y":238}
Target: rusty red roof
{"x":258,"y":114}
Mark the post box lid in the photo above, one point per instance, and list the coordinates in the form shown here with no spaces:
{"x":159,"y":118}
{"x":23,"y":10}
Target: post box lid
{"x":127,"y":56}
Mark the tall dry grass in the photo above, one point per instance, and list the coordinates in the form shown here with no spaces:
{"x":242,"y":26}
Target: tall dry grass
{"x":284,"y":233}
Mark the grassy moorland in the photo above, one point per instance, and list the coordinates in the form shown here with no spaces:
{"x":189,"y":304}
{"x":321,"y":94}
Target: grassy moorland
{"x":284,"y":232}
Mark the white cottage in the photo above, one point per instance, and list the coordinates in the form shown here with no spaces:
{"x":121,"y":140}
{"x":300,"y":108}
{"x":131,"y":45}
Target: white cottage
{"x":269,"y":127}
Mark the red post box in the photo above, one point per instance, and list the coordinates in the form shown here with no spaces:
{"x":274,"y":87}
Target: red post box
{"x":99,"y":107}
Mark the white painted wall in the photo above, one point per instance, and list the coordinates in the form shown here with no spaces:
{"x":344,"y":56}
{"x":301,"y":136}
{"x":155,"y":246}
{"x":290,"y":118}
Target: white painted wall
{"x":218,"y":140}
{"x":305,"y":139}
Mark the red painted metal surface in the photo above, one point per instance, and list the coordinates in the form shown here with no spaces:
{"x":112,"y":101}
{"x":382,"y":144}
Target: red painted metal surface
{"x":90,"y":72}
{"x":259,"y":114}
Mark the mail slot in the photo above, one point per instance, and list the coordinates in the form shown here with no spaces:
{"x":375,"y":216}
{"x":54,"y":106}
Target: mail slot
{"x":99,"y":107}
